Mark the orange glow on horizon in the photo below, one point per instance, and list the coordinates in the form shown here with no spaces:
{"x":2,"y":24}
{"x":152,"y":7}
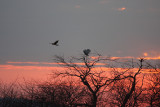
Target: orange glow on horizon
{"x":127,"y":57}
{"x":11,"y":72}
{"x":47,"y":63}
{"x":41,"y":70}
{"x":19,"y":67}
{"x":149,"y":57}
{"x":130,"y":57}
{"x":152,"y":58}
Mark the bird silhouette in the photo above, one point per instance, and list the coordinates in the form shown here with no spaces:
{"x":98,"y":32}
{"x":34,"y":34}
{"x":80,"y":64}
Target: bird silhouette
{"x":86,"y":52}
{"x":55,"y":43}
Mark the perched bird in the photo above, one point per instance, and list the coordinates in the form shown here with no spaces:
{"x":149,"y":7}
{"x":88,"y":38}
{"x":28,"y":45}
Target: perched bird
{"x":55,"y":43}
{"x":86,"y":52}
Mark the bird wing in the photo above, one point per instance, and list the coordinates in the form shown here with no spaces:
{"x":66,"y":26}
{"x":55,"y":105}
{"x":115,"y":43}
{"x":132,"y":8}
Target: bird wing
{"x":56,"y":42}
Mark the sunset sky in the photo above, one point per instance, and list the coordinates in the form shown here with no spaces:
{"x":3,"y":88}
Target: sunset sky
{"x":118,"y":28}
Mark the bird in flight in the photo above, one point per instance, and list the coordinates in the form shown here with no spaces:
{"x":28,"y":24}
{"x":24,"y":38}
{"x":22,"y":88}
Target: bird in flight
{"x":55,"y":43}
{"x":86,"y":52}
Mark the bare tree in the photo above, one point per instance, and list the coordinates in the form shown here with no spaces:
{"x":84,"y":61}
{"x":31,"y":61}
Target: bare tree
{"x":133,"y":84}
{"x":88,"y":70}
{"x":126,"y":92}
{"x":153,"y":90}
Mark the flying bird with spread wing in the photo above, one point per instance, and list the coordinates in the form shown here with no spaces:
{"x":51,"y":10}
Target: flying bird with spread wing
{"x":86,"y":52}
{"x":55,"y":43}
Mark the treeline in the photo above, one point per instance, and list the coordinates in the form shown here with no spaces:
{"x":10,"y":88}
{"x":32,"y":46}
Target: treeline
{"x":89,"y":82}
{"x":47,"y":94}
{"x":71,"y":94}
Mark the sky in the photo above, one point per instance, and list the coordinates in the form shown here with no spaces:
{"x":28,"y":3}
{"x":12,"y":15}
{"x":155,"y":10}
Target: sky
{"x":110,"y":27}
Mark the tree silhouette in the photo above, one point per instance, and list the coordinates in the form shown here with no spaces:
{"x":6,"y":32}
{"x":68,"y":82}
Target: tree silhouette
{"x":153,"y":90}
{"x":96,"y":81}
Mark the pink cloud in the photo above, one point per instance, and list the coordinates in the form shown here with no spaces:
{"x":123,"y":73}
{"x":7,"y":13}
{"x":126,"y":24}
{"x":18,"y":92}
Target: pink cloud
{"x":11,"y":62}
{"x":45,"y":63}
{"x":121,"y":9}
